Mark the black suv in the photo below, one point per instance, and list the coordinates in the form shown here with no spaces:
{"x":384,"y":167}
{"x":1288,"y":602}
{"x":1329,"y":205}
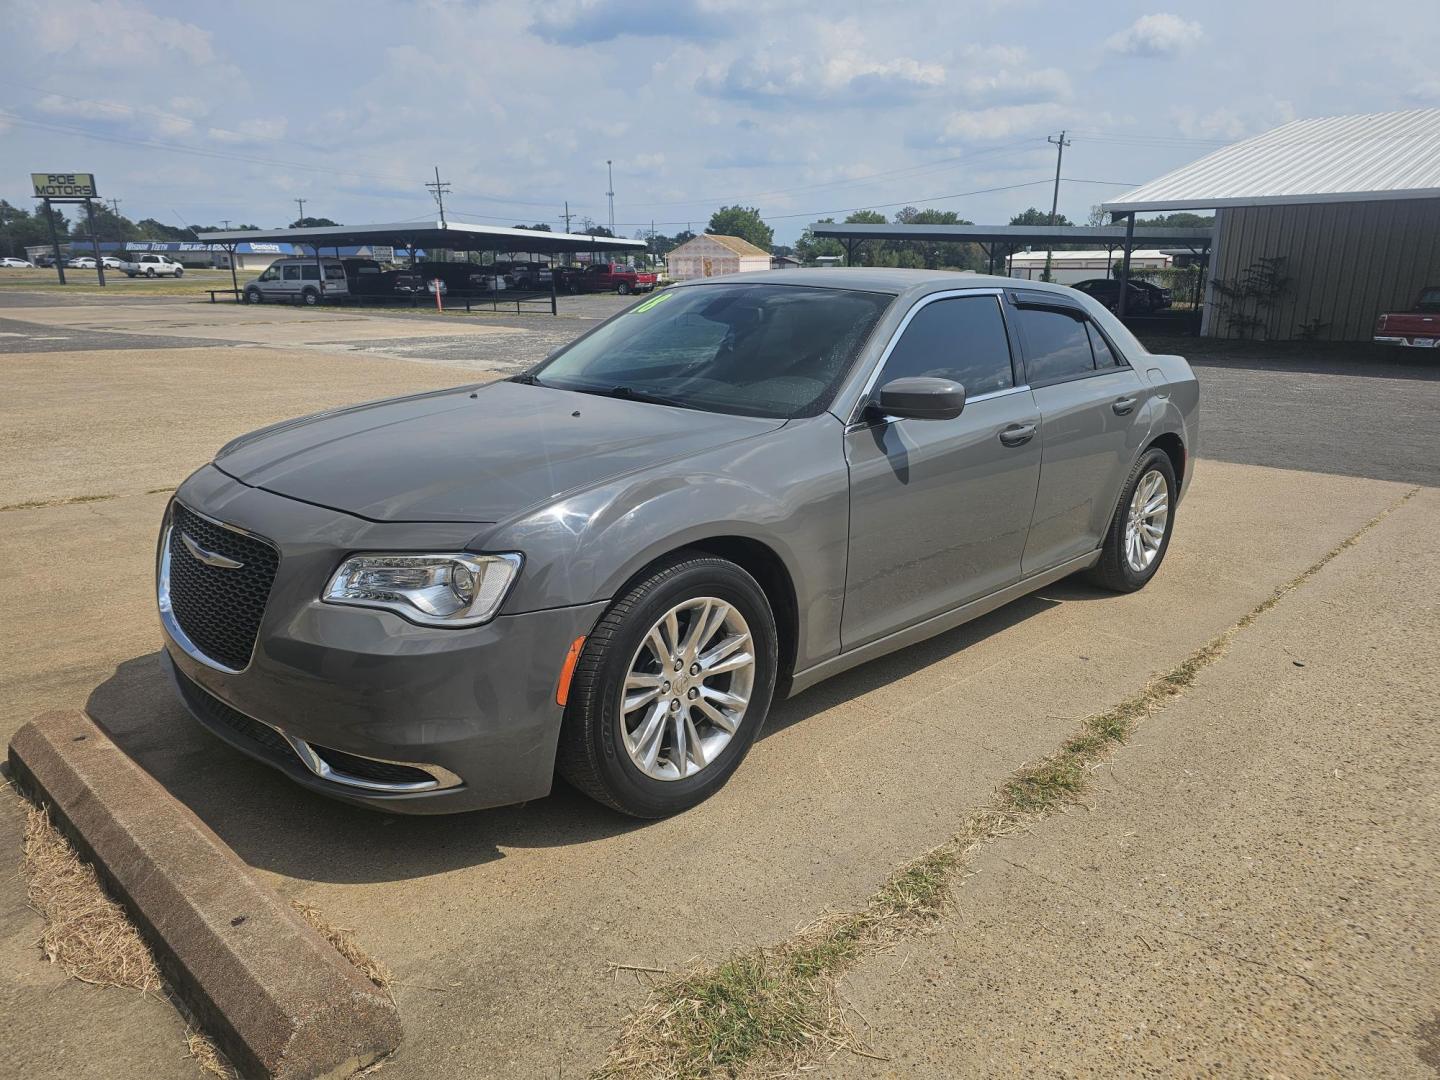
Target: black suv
{"x":1143,"y":298}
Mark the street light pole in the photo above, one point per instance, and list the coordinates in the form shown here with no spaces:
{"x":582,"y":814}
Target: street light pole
{"x":610,"y":174}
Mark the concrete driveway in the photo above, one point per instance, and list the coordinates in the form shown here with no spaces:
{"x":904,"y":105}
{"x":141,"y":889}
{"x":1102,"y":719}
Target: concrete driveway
{"x":503,"y":926}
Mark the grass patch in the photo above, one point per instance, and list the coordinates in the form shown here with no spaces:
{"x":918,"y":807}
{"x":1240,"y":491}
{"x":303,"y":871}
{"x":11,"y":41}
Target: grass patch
{"x":343,"y":940}
{"x":776,"y":1009}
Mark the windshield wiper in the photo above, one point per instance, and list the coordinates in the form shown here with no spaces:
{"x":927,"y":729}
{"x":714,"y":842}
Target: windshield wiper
{"x":629,"y":393}
{"x":525,"y":380}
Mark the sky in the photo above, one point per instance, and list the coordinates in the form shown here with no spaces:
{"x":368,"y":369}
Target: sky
{"x":200,"y":112}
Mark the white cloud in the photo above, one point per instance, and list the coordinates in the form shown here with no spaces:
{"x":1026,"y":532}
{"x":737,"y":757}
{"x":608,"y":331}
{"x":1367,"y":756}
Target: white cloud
{"x":1161,"y":34}
{"x":848,"y":78}
{"x":248,"y":131}
{"x":1001,"y":122}
{"x":1018,"y":87}
{"x":108,"y":33}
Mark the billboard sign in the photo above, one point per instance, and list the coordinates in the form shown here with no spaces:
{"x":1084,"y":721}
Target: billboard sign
{"x":63,"y":185}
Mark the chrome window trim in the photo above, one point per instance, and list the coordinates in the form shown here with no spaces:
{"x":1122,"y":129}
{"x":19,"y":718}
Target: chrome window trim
{"x":858,"y":409}
{"x":168,"y":622}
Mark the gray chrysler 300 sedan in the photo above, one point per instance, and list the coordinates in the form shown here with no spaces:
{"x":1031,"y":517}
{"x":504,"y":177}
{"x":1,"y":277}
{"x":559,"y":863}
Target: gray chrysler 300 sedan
{"x":611,"y":564}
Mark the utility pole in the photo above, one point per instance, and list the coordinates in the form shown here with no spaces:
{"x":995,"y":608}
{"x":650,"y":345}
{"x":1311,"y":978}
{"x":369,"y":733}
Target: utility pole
{"x":114,"y":206}
{"x":301,"y":204}
{"x":439,"y":189}
{"x":610,"y":173}
{"x":567,"y":215}
{"x":225,"y":222}
{"x":1060,"y":143}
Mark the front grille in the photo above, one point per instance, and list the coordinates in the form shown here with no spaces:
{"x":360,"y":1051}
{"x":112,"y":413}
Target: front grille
{"x":219,"y":608}
{"x":264,"y":739}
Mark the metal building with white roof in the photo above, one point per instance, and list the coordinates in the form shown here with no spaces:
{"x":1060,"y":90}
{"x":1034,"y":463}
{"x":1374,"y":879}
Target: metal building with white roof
{"x":1351,"y":204}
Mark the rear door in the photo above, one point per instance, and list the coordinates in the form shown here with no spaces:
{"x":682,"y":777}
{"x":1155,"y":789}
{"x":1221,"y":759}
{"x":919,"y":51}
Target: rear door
{"x":939,"y":508}
{"x":289,"y":280}
{"x":1091,"y":403}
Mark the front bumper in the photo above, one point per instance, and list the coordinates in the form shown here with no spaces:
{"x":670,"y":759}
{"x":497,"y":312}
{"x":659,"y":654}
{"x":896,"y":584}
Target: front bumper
{"x":473,"y":708}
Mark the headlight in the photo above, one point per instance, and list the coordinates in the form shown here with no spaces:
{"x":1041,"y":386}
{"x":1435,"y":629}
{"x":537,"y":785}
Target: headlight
{"x":434,"y":590}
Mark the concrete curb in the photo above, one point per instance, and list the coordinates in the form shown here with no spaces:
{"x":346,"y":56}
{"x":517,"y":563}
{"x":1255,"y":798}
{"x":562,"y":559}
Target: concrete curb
{"x":279,"y":1000}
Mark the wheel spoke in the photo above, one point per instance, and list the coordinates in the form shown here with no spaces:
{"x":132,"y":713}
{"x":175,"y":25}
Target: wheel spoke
{"x":715,"y":716}
{"x":634,"y":701}
{"x":697,"y":748}
{"x":680,"y":748}
{"x":725,"y":698}
{"x":693,"y":634}
{"x":650,"y":736}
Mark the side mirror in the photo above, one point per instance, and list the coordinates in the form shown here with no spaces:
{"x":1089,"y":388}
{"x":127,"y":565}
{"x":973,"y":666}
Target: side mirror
{"x":920,"y":398}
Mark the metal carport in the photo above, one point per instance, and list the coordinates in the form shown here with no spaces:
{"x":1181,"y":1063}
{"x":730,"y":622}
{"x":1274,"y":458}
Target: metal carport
{"x":1004,"y":240}
{"x":431,"y":235}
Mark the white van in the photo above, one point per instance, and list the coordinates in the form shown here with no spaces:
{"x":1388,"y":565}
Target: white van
{"x":299,"y":280}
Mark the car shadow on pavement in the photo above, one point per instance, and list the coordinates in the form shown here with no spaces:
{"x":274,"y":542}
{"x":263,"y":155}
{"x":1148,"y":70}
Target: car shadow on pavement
{"x":278,"y":826}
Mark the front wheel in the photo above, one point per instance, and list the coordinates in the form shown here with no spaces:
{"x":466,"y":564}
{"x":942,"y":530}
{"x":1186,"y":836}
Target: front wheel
{"x":310,"y":297}
{"x":671,"y":688}
{"x":252,"y":296}
{"x":179,"y":273}
{"x":623,"y":289}
{"x":1139,"y":534}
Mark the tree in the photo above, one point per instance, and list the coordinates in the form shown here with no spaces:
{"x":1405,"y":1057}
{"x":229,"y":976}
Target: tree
{"x":810,"y":247}
{"x":866,"y":217}
{"x":312,"y":223}
{"x":1033,"y":216}
{"x":744,"y":222}
{"x":1181,"y":220}
{"x":539,"y":227}
{"x":20,"y":228}
{"x":151,"y":229}
{"x":937,"y":254}
{"x":108,"y":224}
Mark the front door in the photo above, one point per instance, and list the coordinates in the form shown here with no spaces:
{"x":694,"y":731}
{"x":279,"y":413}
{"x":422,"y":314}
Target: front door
{"x":939,"y":509}
{"x":1092,"y":405}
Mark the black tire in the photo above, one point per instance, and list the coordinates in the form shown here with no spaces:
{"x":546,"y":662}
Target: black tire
{"x":1114,"y":571}
{"x":591,"y":755}
{"x":254,"y":296}
{"x":623,"y":288}
{"x":179,"y":273}
{"x":150,"y":271}
{"x":310,"y":298}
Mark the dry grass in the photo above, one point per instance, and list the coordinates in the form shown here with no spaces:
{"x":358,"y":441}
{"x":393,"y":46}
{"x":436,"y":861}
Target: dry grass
{"x":343,"y":939}
{"x":88,"y":933}
{"x":775,"y":1010}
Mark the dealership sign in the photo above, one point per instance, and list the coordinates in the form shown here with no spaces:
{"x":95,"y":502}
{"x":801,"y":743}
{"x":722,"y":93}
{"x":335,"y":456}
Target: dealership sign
{"x":75,"y":185}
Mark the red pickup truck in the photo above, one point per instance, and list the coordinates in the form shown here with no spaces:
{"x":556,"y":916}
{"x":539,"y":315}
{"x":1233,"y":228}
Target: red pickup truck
{"x":609,"y":277}
{"x":1418,"y":327}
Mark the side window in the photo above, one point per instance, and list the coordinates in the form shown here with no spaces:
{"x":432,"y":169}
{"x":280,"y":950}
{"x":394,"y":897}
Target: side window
{"x":270,"y":274}
{"x":962,"y":338}
{"x":337,"y":273}
{"x":291,"y":272}
{"x":310,"y":272}
{"x":1105,"y":356}
{"x":1056,"y":346}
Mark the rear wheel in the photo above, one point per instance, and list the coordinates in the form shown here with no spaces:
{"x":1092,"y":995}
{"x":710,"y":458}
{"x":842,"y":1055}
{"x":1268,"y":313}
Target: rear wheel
{"x":253,"y":296}
{"x":149,"y":271}
{"x":310,"y":297}
{"x":671,"y":688}
{"x":1139,"y":534}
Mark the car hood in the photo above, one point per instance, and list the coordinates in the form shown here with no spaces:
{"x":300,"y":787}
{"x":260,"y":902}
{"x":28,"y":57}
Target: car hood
{"x":474,"y":454}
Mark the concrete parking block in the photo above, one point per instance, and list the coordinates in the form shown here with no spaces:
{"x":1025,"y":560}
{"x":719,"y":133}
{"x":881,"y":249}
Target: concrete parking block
{"x":274,"y":994}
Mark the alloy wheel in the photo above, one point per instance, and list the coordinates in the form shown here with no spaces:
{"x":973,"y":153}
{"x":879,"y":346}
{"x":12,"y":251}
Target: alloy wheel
{"x":1145,"y":525}
{"x":687,"y":688}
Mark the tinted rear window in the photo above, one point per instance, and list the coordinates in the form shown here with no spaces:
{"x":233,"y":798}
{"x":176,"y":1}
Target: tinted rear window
{"x":1056,"y":346}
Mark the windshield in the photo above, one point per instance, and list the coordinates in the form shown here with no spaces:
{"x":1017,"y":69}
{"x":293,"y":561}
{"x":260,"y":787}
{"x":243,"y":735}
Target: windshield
{"x":757,"y":350}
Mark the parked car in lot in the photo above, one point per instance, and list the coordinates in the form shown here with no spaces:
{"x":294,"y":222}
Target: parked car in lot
{"x":1143,"y":297}
{"x":44,"y":259}
{"x":463,"y":278}
{"x":148,"y":264}
{"x":80,"y":262}
{"x":9,"y":262}
{"x":299,"y":281}
{"x":1418,"y":328}
{"x":111,"y":262}
{"x":612,"y":563}
{"x":610,"y":277}
{"x":528,"y":275}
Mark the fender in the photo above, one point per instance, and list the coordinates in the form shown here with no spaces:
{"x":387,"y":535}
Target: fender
{"x":787,"y":490}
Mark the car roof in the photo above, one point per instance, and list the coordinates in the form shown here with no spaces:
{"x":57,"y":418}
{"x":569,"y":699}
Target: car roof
{"x":876,"y":279}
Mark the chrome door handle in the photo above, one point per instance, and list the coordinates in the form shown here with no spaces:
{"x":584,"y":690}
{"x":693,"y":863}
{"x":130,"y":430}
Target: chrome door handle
{"x":1017,"y":434}
{"x":1123,"y":405}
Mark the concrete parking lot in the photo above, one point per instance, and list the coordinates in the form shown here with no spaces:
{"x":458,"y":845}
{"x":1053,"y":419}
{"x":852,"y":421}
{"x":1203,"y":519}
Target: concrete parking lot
{"x":504,"y":927}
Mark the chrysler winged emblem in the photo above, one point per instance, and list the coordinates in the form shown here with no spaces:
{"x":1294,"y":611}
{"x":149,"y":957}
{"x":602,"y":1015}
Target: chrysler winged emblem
{"x":209,"y":558}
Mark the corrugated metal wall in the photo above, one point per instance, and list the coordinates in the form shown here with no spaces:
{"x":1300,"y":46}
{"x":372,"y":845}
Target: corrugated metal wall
{"x":1348,"y":262}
